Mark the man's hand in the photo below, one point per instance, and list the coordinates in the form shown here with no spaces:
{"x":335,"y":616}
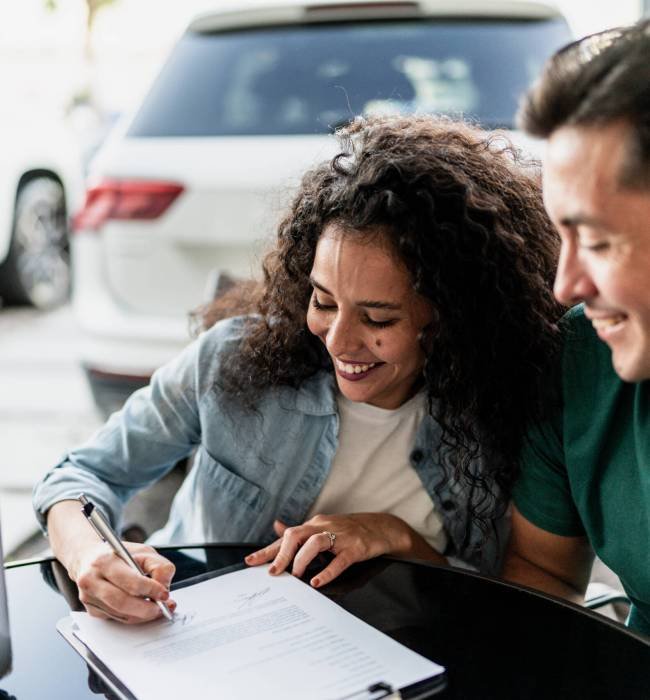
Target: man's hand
{"x":551,"y":563}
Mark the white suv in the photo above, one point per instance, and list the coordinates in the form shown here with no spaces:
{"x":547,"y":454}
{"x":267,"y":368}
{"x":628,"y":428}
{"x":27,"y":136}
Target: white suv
{"x":248,"y":99}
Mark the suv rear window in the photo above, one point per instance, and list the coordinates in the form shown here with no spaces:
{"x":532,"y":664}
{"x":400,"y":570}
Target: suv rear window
{"x":309,"y":79}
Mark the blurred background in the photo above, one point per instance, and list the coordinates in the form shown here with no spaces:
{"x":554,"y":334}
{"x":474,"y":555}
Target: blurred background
{"x":206,"y":165}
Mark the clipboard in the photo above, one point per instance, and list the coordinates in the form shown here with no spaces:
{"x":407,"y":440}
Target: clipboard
{"x":66,"y":628}
{"x":426,"y":688}
{"x":419,"y":690}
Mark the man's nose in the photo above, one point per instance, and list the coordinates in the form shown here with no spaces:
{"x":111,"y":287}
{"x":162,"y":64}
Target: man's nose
{"x":343,"y":337}
{"x":573,"y":284}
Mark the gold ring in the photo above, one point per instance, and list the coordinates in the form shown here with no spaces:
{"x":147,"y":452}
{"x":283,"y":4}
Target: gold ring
{"x":332,"y":537}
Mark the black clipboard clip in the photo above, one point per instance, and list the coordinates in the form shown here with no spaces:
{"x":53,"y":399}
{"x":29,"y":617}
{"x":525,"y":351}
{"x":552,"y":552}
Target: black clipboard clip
{"x":374,"y":692}
{"x":417,"y":691}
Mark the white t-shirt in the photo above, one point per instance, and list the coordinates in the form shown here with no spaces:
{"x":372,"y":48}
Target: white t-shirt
{"x":371,"y":471}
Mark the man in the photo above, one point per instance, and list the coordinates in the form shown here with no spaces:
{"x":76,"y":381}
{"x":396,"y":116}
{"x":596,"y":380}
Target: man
{"x":585,"y":482}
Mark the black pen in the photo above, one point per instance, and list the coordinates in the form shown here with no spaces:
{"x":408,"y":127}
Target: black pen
{"x":104,"y":530}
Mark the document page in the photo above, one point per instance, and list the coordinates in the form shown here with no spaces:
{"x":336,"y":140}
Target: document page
{"x":251,"y":635}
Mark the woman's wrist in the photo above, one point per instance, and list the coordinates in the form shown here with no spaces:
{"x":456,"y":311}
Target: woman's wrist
{"x":409,"y":544}
{"x":401,"y":537}
{"x":70,"y":535}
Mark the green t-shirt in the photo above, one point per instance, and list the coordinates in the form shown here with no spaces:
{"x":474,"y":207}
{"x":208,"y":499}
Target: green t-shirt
{"x":587,"y":469}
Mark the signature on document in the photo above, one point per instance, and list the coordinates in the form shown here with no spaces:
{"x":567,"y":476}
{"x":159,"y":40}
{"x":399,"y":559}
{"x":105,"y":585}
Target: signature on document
{"x":245,"y":600}
{"x":183,"y":619}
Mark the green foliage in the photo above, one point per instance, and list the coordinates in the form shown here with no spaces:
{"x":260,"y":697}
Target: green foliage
{"x":94,"y":5}
{"x":92,"y":8}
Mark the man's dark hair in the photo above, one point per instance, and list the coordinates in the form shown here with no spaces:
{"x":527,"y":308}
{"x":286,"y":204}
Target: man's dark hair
{"x":595,"y":81}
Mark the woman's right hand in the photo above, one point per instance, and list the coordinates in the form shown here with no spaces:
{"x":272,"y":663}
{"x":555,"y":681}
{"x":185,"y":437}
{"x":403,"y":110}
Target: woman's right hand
{"x":110,"y":589}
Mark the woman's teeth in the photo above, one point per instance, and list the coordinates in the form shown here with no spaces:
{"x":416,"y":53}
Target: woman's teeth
{"x":599,"y":323}
{"x":354,"y":369}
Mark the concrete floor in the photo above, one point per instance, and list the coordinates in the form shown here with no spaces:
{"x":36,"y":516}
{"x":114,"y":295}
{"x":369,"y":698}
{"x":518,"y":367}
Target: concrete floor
{"x":45,"y":407}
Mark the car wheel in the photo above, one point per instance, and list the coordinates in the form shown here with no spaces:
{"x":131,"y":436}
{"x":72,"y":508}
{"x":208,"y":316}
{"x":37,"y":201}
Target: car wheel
{"x":37,"y":269}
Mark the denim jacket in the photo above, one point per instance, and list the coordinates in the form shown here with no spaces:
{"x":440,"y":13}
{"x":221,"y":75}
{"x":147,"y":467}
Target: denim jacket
{"x":249,"y":468}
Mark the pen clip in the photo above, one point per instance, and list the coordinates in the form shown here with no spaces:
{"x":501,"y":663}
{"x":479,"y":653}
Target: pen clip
{"x":87,"y":509}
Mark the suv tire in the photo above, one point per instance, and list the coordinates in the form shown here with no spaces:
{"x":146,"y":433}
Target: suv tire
{"x":37,"y":268}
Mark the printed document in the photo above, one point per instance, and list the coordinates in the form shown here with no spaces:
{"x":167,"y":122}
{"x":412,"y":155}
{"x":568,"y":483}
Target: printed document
{"x":251,"y":635}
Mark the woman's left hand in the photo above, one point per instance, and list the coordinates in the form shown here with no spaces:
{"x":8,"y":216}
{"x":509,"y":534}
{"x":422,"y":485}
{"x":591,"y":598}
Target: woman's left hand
{"x":358,"y":537}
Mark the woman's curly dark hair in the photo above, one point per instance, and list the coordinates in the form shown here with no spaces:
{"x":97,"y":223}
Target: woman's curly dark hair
{"x":464,"y":211}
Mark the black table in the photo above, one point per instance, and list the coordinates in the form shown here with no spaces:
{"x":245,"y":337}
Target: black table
{"x":496,"y":640}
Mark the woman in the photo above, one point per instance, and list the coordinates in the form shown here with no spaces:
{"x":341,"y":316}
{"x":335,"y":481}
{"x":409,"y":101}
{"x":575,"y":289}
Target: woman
{"x":375,"y":402}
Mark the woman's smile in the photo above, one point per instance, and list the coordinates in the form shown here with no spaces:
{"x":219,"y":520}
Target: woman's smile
{"x":352,"y":371}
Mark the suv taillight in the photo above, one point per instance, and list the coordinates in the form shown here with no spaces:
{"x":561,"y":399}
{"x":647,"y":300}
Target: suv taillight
{"x":125,"y":200}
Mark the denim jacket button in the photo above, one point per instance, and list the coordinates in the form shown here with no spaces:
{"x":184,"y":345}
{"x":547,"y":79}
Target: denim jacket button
{"x":416,"y":456}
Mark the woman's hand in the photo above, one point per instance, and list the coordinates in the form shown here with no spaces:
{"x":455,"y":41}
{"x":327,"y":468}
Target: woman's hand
{"x":110,"y":589}
{"x":359,"y":536}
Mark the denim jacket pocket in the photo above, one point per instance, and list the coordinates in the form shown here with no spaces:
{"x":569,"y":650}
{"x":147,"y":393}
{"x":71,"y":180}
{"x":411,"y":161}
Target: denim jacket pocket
{"x":228,"y":506}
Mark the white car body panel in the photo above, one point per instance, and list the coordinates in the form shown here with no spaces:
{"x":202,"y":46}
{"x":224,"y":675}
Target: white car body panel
{"x":234,"y":191}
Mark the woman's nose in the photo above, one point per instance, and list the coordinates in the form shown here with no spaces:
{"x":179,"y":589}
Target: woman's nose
{"x":343,"y":337}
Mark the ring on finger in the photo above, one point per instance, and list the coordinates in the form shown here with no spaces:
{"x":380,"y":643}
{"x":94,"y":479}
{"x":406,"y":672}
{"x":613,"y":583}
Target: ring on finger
{"x":332,"y":538}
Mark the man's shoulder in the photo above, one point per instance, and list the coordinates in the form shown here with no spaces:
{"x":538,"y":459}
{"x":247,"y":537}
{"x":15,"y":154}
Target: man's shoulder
{"x":577,"y":328}
{"x":592,"y":393}
{"x":584,"y":353}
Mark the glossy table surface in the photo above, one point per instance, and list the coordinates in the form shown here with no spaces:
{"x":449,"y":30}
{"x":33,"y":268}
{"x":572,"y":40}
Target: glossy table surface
{"x":496,"y":640}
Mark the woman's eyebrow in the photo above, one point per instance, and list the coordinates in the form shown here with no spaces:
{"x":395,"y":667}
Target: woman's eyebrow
{"x":379,"y":305}
{"x":366,"y":303}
